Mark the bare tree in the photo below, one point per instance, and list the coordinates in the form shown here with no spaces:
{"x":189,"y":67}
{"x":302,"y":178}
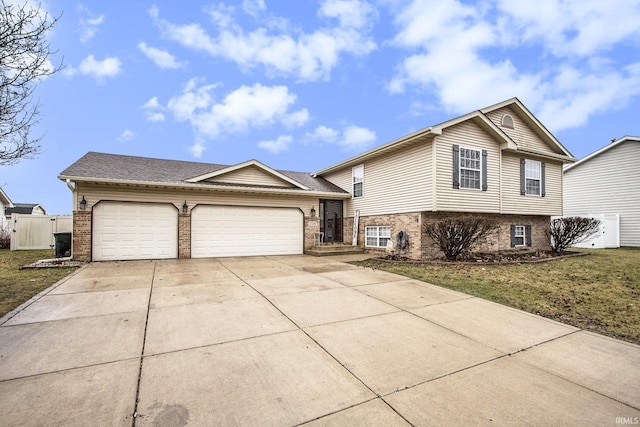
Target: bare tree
{"x":455,"y":237}
{"x":566,"y":232}
{"x":24,"y":61}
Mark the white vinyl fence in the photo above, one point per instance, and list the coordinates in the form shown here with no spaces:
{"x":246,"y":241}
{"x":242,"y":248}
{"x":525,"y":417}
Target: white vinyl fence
{"x":36,"y":231}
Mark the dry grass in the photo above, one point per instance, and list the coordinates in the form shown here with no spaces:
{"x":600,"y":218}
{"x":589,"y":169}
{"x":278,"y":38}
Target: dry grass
{"x":599,"y":292}
{"x":17,"y":286}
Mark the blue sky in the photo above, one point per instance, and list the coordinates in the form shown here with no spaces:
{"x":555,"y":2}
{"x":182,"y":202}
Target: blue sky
{"x":301,"y":85}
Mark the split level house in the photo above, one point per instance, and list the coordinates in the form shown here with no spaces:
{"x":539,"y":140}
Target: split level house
{"x":499,"y":162}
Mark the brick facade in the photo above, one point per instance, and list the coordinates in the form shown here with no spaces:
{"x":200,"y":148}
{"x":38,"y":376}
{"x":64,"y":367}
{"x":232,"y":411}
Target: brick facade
{"x":311,"y":228}
{"x":421,"y":247}
{"x":184,"y":235}
{"x":81,"y":246}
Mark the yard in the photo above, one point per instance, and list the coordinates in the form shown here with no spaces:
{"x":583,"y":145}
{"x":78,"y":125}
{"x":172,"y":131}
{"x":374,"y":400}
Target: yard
{"x":599,"y":292}
{"x":17,"y":286}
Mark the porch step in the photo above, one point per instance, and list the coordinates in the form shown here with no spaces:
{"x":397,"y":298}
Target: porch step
{"x":333,"y":249}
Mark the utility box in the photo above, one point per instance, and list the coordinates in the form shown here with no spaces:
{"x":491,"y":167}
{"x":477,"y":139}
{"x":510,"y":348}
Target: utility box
{"x":62,"y":244}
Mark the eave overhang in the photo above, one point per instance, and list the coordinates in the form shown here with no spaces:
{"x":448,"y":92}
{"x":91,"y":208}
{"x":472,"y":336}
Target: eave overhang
{"x":226,"y":188}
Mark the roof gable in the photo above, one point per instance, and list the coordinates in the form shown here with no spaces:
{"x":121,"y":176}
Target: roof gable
{"x":6,"y":201}
{"x":604,"y":149}
{"x":524,"y":137}
{"x":548,"y":146}
{"x":251,"y":172}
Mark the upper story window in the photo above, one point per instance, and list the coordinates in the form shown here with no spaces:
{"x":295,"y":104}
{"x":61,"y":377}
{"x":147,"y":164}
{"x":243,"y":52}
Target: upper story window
{"x":357,"y":174}
{"x":470,"y":168}
{"x":507,"y":121}
{"x":533,"y":177}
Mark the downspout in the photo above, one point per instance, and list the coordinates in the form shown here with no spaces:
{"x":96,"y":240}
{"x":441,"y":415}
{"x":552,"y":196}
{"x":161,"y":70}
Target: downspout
{"x":72,"y":187}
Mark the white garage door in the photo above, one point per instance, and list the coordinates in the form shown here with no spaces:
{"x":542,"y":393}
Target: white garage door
{"x":123,"y":230}
{"x":220,"y":231}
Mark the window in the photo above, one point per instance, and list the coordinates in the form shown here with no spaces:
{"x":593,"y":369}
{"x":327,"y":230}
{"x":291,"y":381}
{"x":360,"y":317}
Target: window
{"x":357,"y":174}
{"x":377,"y":237}
{"x":520,"y":235}
{"x":532,"y":177}
{"x":470,"y":168}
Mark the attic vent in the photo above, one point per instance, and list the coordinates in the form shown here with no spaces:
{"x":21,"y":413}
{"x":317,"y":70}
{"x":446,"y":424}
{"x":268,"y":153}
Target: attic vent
{"x":507,"y":121}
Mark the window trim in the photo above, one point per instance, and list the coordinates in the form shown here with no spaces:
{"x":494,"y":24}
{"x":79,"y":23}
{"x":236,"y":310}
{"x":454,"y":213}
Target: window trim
{"x":481,"y":170}
{"x":378,"y":236}
{"x":526,"y":237}
{"x":527,"y":176}
{"x":354,"y":182}
{"x":516,"y":235}
{"x":523,"y":178}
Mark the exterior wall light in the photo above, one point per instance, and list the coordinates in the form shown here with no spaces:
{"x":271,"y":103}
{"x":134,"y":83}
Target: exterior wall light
{"x":313,"y":211}
{"x":185,"y":207}
{"x":83,"y":204}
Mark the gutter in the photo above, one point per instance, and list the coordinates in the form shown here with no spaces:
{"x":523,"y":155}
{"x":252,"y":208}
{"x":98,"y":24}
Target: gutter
{"x":195,"y":186}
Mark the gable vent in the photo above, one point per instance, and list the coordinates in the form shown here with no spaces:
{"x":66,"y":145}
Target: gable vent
{"x":507,"y":121}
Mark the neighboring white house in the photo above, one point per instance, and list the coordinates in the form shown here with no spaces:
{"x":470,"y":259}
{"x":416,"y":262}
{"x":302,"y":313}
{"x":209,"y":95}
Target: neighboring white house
{"x":606,"y":183}
{"x":5,"y":202}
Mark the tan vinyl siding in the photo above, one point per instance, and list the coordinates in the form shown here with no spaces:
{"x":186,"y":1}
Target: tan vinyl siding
{"x":515,"y":203}
{"x":397,"y":182}
{"x":609,"y":183}
{"x":250,"y":175}
{"x":521,"y":133}
{"x":467,"y":135}
{"x":94,"y":193}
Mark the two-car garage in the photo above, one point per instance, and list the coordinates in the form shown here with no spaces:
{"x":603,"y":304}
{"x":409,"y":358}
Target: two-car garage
{"x":132,"y":230}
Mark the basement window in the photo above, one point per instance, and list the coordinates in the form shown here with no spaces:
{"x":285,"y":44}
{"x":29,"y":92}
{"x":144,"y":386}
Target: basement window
{"x":377,"y":237}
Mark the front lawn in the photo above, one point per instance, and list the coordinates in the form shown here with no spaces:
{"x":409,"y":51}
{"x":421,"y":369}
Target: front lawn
{"x":599,"y":292}
{"x":17,"y":286}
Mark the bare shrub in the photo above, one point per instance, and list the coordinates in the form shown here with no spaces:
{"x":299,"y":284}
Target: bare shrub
{"x":5,"y":238}
{"x":566,"y":232}
{"x":459,"y":236}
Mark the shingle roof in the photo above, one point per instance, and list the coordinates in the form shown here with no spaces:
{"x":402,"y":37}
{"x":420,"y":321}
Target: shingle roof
{"x":20,"y":208}
{"x":116,"y":167}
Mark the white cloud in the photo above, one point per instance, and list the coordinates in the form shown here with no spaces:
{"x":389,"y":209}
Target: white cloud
{"x":357,"y":138}
{"x":89,"y":24}
{"x":244,"y":109}
{"x":108,"y":67}
{"x":154,"y":110}
{"x":198,"y":147}
{"x":350,"y":13}
{"x":277,"y":146}
{"x":126,"y":135}
{"x":352,"y":138}
{"x":162,"y":58}
{"x":306,"y":56}
{"x":470,"y":55}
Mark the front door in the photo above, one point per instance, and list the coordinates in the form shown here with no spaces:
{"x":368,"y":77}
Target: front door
{"x":331,"y":220}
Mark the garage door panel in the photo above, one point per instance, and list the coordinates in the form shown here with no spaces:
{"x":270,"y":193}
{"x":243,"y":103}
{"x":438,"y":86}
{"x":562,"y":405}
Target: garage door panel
{"x":218,"y":231}
{"x":134,"y":231}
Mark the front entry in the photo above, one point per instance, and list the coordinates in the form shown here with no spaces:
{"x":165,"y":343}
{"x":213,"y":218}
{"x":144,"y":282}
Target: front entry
{"x":331,"y":220}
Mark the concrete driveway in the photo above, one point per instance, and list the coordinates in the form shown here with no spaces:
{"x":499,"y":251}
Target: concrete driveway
{"x":292,"y":340}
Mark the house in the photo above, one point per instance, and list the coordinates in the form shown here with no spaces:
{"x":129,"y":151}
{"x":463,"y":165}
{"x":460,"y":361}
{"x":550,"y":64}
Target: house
{"x":140,"y":208}
{"x":5,"y":202}
{"x":7,"y":207}
{"x":605,"y":183}
{"x":24,"y":209}
{"x":499,"y":162}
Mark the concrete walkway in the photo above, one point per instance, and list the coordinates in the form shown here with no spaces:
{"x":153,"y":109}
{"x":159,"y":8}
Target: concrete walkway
{"x":296,"y":340}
